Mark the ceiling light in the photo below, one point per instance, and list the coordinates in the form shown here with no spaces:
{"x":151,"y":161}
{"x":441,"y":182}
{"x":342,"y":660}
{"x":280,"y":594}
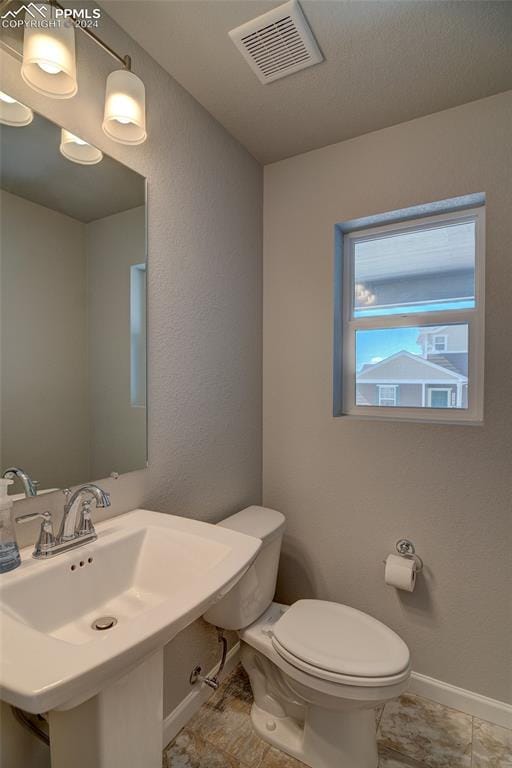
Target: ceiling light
{"x":79,"y":151}
{"x":125,"y":108}
{"x":49,"y":63}
{"x":14,"y":113}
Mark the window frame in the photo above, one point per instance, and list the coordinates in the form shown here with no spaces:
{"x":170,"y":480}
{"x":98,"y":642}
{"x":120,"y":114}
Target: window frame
{"x":474,"y":318}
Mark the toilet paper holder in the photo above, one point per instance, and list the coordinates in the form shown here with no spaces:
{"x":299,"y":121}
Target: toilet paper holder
{"x":406,"y":548}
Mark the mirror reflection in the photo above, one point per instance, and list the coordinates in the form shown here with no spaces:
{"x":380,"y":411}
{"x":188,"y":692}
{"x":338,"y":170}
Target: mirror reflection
{"x":72,"y":310}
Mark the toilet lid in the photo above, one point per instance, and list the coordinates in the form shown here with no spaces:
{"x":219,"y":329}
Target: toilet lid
{"x":339,"y":639}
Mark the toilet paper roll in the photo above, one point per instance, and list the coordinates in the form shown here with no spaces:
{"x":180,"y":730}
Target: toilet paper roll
{"x":400,"y":572}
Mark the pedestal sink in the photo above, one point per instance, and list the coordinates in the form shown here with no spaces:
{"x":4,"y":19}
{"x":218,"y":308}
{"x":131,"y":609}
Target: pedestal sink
{"x":82,"y":635}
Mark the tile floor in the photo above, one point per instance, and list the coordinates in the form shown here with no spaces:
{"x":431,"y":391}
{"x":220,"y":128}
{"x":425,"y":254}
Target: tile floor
{"x":412,"y":733}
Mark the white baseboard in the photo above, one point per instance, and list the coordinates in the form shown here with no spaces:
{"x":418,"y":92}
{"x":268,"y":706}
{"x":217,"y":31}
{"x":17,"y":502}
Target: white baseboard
{"x":187,"y":708}
{"x":497,"y":712}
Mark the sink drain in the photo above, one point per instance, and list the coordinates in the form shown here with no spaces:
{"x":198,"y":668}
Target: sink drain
{"x":104,"y":622}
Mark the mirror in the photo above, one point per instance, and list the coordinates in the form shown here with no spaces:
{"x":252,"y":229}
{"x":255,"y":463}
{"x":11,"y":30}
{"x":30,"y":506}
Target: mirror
{"x":72,"y":312}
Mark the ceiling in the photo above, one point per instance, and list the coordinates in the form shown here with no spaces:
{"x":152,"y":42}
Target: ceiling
{"x":32,"y":167}
{"x":386,"y":62}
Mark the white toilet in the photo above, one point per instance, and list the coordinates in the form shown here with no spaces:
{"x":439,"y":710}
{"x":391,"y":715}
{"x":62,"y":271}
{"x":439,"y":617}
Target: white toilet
{"x":317,"y":669}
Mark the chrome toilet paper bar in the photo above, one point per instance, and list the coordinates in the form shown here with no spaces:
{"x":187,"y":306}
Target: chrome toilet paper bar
{"x":406,"y":548}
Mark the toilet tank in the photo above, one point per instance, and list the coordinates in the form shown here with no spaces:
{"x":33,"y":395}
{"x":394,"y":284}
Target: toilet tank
{"x":252,"y":595}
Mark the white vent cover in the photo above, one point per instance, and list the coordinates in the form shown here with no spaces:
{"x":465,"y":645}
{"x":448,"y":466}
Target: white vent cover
{"x":277,"y":43}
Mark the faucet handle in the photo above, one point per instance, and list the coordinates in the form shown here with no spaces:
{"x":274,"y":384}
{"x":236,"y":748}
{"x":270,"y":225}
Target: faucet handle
{"x":46,"y":516}
{"x":46,"y":540}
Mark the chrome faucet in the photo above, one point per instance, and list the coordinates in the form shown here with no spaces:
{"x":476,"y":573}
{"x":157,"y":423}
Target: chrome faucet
{"x":77,"y":516}
{"x":76,"y":528}
{"x":29,"y":485}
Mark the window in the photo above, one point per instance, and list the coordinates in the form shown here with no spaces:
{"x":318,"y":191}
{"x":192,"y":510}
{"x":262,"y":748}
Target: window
{"x":440,"y":343}
{"x":138,"y":335}
{"x":387,"y":394}
{"x":439,"y":397}
{"x":411,"y":319}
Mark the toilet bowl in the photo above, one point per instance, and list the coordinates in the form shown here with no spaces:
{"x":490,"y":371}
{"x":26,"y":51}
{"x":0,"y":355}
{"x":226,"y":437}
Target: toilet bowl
{"x":317,"y":669}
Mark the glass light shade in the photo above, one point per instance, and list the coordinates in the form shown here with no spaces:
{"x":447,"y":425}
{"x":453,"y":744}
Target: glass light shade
{"x":49,"y":62}
{"x":14,"y":113}
{"x":125,"y":108}
{"x":79,"y":151}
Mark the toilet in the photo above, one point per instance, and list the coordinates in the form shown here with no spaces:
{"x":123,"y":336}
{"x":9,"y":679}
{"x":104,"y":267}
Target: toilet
{"x":317,"y":669}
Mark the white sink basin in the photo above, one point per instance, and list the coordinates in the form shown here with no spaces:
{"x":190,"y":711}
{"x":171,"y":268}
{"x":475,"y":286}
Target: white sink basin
{"x":154,"y":573}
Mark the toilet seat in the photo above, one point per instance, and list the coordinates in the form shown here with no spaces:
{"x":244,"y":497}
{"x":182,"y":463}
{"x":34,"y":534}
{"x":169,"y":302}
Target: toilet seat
{"x":334,"y":642}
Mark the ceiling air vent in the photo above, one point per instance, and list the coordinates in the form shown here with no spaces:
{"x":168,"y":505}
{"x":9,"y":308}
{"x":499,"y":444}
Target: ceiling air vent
{"x":277,"y":43}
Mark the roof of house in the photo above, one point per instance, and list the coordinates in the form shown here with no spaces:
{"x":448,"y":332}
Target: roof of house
{"x":404,"y":365}
{"x":430,"y":330}
{"x":452,"y":364}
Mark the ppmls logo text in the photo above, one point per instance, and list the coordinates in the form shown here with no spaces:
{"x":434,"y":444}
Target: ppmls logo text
{"x":43,"y":15}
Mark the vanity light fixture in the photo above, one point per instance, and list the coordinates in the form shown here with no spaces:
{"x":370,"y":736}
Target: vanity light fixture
{"x":125,"y":108}
{"x":77,"y":150}
{"x":49,"y":66}
{"x":49,"y":62}
{"x":13,"y":112}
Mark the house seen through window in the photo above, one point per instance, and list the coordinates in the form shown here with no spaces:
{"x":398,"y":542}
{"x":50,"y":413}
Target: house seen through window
{"x":412,"y":318}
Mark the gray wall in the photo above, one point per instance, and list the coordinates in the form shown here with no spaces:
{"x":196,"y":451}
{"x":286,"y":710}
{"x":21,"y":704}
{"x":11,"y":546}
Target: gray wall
{"x":44,"y":402}
{"x":350,"y":487}
{"x":118,"y":429}
{"x":204,"y":248}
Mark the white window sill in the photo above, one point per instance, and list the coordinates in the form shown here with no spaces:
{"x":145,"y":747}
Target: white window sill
{"x":411,"y":419}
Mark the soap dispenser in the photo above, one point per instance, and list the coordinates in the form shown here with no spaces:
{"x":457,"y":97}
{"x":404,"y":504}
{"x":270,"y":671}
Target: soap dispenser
{"x":9,"y":552}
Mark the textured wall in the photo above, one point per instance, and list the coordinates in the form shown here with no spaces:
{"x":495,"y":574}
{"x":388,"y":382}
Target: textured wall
{"x":204,"y":248}
{"x":350,"y":488}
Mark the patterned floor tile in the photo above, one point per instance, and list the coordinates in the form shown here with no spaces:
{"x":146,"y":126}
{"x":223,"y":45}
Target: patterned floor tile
{"x":390,"y":759}
{"x":413,"y":733}
{"x":277,"y":759}
{"x":492,"y":746}
{"x":237,"y":687}
{"x":427,"y":732}
{"x":189,"y":750}
{"x":224,"y":721}
{"x":234,"y":693}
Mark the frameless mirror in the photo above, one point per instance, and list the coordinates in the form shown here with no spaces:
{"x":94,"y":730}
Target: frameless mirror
{"x":72,"y":310}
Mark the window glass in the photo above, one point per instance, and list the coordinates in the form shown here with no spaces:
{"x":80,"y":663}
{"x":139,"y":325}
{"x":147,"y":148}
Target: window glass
{"x":421,"y":270}
{"x":404,"y":366}
{"x":439,"y":398}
